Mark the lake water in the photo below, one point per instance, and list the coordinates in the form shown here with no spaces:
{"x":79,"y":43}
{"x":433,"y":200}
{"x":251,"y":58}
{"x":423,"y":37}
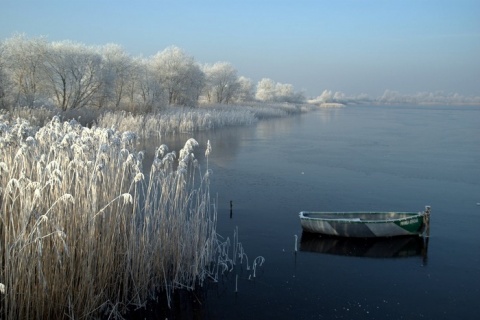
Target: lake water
{"x":345,"y":159}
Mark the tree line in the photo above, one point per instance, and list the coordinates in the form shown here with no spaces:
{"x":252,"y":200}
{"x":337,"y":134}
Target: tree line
{"x":70,"y":75}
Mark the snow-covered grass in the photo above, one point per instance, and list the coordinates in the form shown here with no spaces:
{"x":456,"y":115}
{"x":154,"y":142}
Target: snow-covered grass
{"x":85,"y":232}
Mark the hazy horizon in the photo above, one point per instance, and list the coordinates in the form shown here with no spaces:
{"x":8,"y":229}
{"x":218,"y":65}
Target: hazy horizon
{"x":350,"y":46}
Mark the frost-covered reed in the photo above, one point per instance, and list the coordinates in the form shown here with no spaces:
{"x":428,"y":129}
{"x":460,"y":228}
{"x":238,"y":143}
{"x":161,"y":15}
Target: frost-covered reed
{"x":207,"y":117}
{"x":38,"y":116}
{"x":168,"y":120}
{"x":85,"y":232}
{"x":179,"y":120}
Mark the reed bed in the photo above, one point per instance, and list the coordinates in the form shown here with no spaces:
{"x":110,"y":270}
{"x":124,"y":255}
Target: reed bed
{"x":37,"y":116}
{"x":85,"y":233}
{"x":168,"y":120}
{"x":206,"y":117}
{"x":179,"y":120}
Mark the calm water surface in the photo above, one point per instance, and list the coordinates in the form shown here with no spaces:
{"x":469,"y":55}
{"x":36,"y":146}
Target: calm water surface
{"x":346,"y":159}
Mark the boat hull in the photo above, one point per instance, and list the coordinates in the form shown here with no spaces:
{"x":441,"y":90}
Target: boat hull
{"x":363,"y":224}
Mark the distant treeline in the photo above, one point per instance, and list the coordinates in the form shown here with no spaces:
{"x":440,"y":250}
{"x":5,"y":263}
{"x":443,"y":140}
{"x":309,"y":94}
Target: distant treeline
{"x":70,"y":75}
{"x":390,"y":97}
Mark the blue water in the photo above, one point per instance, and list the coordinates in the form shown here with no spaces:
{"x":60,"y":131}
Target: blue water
{"x":345,"y":159}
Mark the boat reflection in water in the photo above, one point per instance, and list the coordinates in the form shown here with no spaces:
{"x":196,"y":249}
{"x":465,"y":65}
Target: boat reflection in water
{"x":393,"y":247}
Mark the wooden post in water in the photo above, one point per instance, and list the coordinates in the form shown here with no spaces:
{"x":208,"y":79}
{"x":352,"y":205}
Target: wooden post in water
{"x":231,"y":209}
{"x":296,"y":242}
{"x":426,"y":221}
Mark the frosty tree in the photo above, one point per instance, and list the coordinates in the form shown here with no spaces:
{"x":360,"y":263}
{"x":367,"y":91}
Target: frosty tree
{"x":179,"y":75}
{"x":75,"y":74}
{"x":221,"y":82}
{"x":271,"y":91}
{"x":265,"y":90}
{"x":143,"y":88}
{"x":3,"y":80}
{"x":118,"y":69}
{"x":71,"y":75}
{"x":246,"y":90}
{"x":23,"y":59}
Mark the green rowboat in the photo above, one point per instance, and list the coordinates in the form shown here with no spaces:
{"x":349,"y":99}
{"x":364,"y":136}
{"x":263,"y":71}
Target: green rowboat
{"x":366,"y":224}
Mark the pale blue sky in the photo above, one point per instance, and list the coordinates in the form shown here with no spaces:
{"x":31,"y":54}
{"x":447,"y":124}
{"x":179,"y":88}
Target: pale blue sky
{"x":350,"y":46}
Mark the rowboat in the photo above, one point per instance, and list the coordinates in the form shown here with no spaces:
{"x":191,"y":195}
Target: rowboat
{"x":366,"y":224}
